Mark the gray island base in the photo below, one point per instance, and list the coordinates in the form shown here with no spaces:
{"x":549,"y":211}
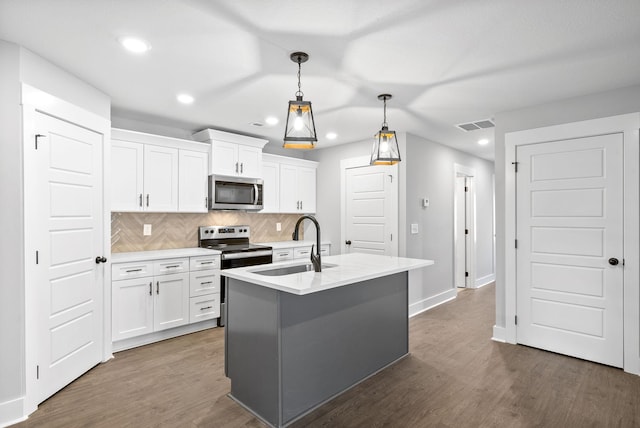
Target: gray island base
{"x":287,"y":354}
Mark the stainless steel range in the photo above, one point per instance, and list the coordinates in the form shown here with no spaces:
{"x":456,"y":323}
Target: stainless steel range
{"x":237,"y":251}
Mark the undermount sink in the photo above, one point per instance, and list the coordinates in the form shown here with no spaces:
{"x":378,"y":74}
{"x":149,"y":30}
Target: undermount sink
{"x":288,"y":270}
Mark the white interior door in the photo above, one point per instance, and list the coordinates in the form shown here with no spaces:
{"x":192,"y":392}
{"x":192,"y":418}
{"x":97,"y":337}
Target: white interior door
{"x":70,"y":237}
{"x":569,"y":225}
{"x":372,"y":210}
{"x":460,"y":235}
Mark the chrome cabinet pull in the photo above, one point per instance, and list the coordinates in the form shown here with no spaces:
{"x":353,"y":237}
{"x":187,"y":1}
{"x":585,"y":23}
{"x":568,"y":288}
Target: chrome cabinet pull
{"x":133,"y":270}
{"x":206,"y":263}
{"x":206,"y":307}
{"x":206,"y":282}
{"x":150,"y":288}
{"x":300,"y":204}
{"x":140,"y":200}
{"x":236,"y":167}
{"x":241,"y":167}
{"x":206,"y":202}
{"x":172,"y":267}
{"x":158,"y":287}
{"x":147,"y":199}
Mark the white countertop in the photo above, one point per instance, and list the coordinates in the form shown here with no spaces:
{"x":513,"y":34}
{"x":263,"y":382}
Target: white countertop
{"x":348,"y":269}
{"x":174,"y":253}
{"x":292,"y":244}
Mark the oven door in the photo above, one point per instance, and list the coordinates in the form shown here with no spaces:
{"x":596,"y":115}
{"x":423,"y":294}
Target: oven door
{"x":235,"y":193}
{"x":235,"y":260}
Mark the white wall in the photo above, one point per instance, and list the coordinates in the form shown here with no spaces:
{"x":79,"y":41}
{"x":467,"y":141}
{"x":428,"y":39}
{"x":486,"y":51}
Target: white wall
{"x":593,"y":106}
{"x":17,"y":65}
{"x":426,"y":170}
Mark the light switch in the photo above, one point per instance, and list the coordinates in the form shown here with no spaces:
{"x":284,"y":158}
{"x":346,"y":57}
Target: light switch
{"x":278,"y":227}
{"x":146,"y":230}
{"x":414,"y":228}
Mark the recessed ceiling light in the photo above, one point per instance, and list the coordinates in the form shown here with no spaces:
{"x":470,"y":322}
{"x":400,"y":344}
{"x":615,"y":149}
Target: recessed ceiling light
{"x":483,"y":142}
{"x":331,"y":135}
{"x":185,"y":98}
{"x":134,"y":45}
{"x":271,"y":120}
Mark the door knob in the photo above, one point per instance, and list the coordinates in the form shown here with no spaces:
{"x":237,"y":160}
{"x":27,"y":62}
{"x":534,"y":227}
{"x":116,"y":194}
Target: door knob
{"x":347,"y":242}
{"x":101,"y":260}
{"x":613,"y":261}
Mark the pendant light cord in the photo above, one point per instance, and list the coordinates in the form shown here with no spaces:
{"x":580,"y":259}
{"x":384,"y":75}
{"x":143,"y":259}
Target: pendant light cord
{"x":384,"y":123}
{"x":300,"y":93}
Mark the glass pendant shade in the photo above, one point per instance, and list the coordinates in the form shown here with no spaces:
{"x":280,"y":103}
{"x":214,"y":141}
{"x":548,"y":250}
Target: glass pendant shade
{"x":385,"y":144}
{"x":300,"y":130}
{"x":385,"y":148}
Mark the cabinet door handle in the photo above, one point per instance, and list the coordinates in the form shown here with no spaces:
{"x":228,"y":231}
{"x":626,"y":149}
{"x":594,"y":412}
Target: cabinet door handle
{"x":158,"y":287}
{"x":134,"y":270}
{"x":172,"y":267}
{"x":150,"y":288}
{"x":241,"y":167}
{"x":147,"y":199}
{"x":297,"y":205}
{"x":140,"y":200}
{"x":236,"y":167}
{"x":300,"y":204}
{"x":205,"y":308}
{"x":206,"y":263}
{"x":206,"y":282}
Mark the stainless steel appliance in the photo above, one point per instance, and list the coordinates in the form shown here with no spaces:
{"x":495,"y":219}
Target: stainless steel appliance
{"x":237,"y":251}
{"x":235,"y":193}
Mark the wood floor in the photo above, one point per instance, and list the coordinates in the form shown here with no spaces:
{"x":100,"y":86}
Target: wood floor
{"x":455,"y":377}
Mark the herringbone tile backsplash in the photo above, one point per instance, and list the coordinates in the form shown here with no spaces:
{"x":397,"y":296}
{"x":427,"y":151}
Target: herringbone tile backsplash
{"x":172,"y":230}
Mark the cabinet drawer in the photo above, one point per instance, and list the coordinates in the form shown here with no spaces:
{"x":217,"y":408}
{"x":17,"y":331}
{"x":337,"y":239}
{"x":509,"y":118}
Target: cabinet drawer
{"x":204,"y":282}
{"x":204,"y":262}
{"x":204,"y":307}
{"x":302,"y":253}
{"x":164,"y":267}
{"x":325,"y":250}
{"x":131,"y":270}
{"x":283,"y":254}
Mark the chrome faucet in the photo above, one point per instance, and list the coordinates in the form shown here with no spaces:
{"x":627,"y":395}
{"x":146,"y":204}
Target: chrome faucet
{"x":315,"y":258}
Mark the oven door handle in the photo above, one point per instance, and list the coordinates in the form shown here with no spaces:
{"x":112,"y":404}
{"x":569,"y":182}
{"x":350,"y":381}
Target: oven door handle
{"x":247,"y":254}
{"x":255,"y":189}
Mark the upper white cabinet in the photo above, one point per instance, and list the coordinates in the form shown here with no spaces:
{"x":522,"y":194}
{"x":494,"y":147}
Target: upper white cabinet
{"x":157,"y":174}
{"x":233,"y":154}
{"x":289,"y":185}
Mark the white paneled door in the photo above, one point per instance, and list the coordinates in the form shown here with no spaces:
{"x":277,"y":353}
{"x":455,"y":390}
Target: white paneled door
{"x":570,"y":247}
{"x":371,"y":210}
{"x":69,"y":280}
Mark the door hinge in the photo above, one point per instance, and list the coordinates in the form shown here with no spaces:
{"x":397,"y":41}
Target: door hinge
{"x":38,"y":136}
{"x":392,"y":237}
{"x":466,"y":274}
{"x":516,"y":243}
{"x":515,"y":165}
{"x":466,"y":189}
{"x":516,"y":320}
{"x":466,"y":231}
{"x":37,"y":372}
{"x":37,"y":258}
{"x":622,"y":262}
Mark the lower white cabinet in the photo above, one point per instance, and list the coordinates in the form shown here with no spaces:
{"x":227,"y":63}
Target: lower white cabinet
{"x":155,"y":295}
{"x":304,"y":252}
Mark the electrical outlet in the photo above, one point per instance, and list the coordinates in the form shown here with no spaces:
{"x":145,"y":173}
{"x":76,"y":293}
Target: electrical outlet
{"x":414,"y":228}
{"x":146,"y":230}
{"x":425,"y":202}
{"x":278,"y":227}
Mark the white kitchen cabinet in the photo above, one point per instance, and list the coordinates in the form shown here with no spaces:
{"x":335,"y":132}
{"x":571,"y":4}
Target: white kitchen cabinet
{"x":148,"y":303}
{"x":157,"y":174}
{"x":299,"y":252}
{"x":270,"y":187}
{"x":160,"y":179}
{"x":233,"y":154}
{"x":282,"y":254}
{"x":296,"y":184}
{"x":193,"y":169}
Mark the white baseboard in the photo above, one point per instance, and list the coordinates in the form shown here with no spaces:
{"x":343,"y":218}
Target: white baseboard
{"x":146,"y":339}
{"x":12,"y":412}
{"x":485,"y":280}
{"x":431,"y":302}
{"x":499,"y":334}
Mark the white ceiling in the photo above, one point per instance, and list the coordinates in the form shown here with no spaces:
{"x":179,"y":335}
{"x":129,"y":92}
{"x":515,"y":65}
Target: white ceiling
{"x":445,"y":62}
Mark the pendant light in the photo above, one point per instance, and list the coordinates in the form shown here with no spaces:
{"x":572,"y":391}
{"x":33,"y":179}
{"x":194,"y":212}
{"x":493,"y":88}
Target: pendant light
{"x":385,"y":144}
{"x":300,"y":129}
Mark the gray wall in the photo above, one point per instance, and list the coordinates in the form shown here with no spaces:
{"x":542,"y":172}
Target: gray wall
{"x":593,"y":106}
{"x":17,"y":65}
{"x":427,"y":170}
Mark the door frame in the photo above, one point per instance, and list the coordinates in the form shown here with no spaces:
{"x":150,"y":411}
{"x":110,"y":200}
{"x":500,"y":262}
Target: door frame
{"x":628,"y":125}
{"x":470,"y":221}
{"x":358,"y":162}
{"x":33,"y":101}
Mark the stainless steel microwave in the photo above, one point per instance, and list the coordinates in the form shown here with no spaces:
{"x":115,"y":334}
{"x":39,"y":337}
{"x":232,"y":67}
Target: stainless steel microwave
{"x":235,"y":193}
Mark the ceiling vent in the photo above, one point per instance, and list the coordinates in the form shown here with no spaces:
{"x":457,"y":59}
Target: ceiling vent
{"x":480,"y":124}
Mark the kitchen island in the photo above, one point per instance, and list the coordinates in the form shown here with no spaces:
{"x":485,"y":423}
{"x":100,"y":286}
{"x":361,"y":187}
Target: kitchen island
{"x":293,"y":341}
